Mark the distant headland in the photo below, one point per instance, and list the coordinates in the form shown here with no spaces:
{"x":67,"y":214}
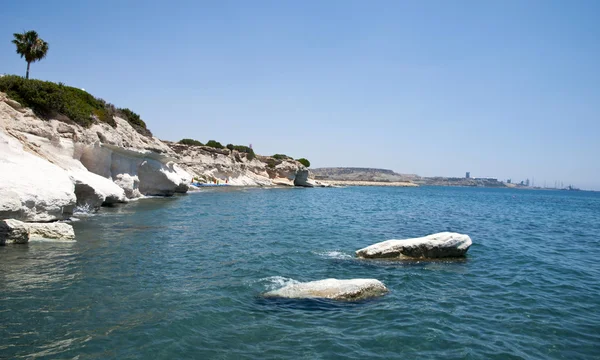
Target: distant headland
{"x":385,"y":177}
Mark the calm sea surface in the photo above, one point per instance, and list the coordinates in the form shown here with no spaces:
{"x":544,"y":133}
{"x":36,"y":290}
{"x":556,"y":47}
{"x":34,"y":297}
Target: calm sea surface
{"x":182,"y":277}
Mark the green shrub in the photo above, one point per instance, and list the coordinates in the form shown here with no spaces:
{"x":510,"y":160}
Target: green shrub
{"x":214,"y":144}
{"x":271,"y":163}
{"x":229,"y":146}
{"x":131,"y":117}
{"x":134,"y":120}
{"x":190,"y":142}
{"x":245,"y":149}
{"x":304,"y":162}
{"x":48,"y":99}
{"x":281,"y":157}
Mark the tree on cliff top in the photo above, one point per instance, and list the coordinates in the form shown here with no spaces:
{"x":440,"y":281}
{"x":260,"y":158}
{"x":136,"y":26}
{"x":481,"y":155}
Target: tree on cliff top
{"x":31,"y":47}
{"x":304,"y":162}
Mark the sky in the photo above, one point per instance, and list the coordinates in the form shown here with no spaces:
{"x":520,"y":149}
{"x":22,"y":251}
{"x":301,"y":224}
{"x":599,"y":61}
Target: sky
{"x":503,"y":89}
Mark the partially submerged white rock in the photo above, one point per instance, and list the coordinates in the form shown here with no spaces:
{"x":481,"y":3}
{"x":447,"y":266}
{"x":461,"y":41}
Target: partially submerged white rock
{"x":18,"y":232}
{"x":440,"y":245}
{"x":352,"y":289}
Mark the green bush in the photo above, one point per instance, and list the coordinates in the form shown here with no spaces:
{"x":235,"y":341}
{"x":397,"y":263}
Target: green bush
{"x":131,"y":117}
{"x":48,"y":99}
{"x":230,"y":146}
{"x":190,"y":142}
{"x":214,"y":144}
{"x":245,"y":149}
{"x":304,"y":162}
{"x":271,"y":163}
{"x":281,"y":157}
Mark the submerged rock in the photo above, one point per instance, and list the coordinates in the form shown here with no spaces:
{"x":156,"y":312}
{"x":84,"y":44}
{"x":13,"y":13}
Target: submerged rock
{"x":352,"y":289}
{"x":440,"y":245}
{"x":18,"y":232}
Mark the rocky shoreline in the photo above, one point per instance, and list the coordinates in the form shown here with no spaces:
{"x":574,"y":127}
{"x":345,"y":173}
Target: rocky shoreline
{"x":51,"y":167}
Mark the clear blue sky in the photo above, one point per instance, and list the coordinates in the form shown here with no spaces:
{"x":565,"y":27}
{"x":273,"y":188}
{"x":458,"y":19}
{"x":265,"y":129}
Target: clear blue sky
{"x":506,"y":89}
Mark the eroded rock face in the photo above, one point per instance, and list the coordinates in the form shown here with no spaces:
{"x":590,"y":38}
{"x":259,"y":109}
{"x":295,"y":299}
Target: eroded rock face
{"x":440,"y":245}
{"x":31,"y":188}
{"x":301,"y":178}
{"x":51,"y":231}
{"x":334,"y":289}
{"x":18,"y":232}
{"x":46,"y":167}
{"x":11,"y":234}
{"x":235,"y":168}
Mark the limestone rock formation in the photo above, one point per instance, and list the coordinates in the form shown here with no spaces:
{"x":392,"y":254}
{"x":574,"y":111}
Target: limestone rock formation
{"x":440,"y":245}
{"x":11,"y":234}
{"x":49,"y":166}
{"x":31,"y":188}
{"x":18,"y":232}
{"x":334,"y":289}
{"x":209,"y":164}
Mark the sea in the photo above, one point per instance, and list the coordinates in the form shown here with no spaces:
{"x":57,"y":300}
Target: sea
{"x":184,"y":277}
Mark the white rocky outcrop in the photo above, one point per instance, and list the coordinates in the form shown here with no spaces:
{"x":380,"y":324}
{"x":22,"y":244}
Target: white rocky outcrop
{"x":334,"y":289}
{"x":47,"y":166}
{"x":18,"y":232}
{"x":234,"y":167}
{"x":31,"y":188}
{"x":440,"y":245}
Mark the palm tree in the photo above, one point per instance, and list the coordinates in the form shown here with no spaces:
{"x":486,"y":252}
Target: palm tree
{"x":31,"y":47}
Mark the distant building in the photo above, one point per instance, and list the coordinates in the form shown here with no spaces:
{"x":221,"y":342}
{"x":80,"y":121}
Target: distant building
{"x":468,"y":175}
{"x":508,"y":181}
{"x":527,"y":182}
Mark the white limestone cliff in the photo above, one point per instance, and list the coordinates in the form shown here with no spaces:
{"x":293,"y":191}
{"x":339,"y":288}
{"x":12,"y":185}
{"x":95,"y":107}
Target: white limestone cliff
{"x":231,"y":166}
{"x":47,"y":167}
{"x":31,"y":188}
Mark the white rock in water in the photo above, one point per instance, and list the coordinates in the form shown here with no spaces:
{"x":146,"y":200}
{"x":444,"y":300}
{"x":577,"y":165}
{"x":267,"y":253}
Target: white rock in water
{"x":440,"y":245}
{"x":18,"y":232}
{"x":352,"y":289}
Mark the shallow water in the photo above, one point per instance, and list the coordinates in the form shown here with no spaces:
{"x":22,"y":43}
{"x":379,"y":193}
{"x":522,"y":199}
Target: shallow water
{"x":182,"y":277}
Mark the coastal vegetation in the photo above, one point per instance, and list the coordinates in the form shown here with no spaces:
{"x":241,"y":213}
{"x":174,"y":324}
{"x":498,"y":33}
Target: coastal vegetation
{"x":217,"y":145}
{"x":281,"y":157}
{"x":48,"y":99}
{"x":191,"y":142}
{"x":245,"y":149}
{"x":31,"y":47}
{"x":304,"y":162}
{"x":214,"y":144}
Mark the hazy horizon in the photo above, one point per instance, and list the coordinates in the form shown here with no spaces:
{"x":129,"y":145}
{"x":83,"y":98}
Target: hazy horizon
{"x":501,"y":89}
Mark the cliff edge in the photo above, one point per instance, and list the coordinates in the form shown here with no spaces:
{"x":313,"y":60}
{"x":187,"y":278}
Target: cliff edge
{"x":52,"y":166}
{"x":49,"y":166}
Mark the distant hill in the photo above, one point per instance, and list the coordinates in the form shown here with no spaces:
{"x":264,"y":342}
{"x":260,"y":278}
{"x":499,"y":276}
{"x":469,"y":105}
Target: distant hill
{"x":360,"y":174}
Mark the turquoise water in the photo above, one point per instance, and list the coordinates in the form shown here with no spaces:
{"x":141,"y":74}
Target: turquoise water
{"x":182,"y":277}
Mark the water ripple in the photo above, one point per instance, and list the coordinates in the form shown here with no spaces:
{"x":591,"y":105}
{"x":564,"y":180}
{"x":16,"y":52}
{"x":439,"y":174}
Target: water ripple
{"x":182,"y":278}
